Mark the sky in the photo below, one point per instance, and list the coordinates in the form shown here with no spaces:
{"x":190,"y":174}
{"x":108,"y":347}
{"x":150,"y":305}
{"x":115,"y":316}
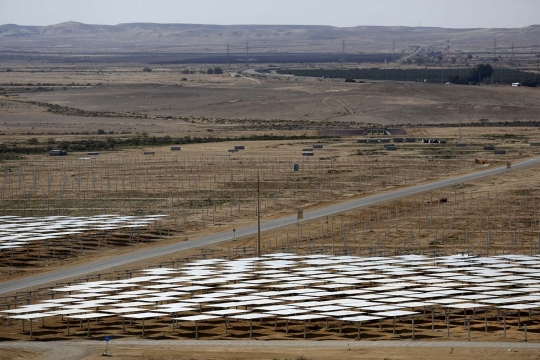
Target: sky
{"x":342,"y":13}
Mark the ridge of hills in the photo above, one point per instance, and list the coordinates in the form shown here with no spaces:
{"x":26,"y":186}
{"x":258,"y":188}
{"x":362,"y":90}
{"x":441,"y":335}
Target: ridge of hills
{"x":169,"y":38}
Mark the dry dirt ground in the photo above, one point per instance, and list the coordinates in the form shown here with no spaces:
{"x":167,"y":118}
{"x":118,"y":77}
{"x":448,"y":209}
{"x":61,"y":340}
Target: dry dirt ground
{"x":227,"y":102}
{"x":98,"y":188}
{"x":204,"y":350}
{"x":225,"y":97}
{"x":501,"y":208}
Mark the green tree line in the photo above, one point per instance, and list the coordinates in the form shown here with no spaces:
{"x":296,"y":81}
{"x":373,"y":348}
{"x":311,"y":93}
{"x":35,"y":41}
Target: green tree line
{"x":112,"y":143}
{"x":483,"y":73}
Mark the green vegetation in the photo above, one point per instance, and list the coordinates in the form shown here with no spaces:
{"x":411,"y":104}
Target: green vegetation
{"x":476,"y":76}
{"x":111,"y":143}
{"x":481,"y":73}
{"x":216,"y":71}
{"x":482,"y":122}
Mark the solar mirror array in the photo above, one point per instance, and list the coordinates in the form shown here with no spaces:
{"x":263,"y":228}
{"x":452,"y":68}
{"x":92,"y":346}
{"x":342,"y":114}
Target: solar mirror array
{"x":302,"y":296}
{"x":21,"y":232}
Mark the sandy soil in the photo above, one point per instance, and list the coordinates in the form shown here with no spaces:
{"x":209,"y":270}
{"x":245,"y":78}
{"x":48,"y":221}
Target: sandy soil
{"x":451,"y":222}
{"x":269,"y":350}
{"x":80,"y":194}
{"x":287,"y":106}
{"x":220,"y":97}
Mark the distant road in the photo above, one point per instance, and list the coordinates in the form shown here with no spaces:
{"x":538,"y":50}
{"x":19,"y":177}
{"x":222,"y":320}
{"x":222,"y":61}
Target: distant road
{"x":418,"y":51}
{"x":256,"y":73}
{"x":100,"y":265}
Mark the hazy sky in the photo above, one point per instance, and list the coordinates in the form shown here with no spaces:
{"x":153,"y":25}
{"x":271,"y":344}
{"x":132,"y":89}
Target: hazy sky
{"x":440,"y":13}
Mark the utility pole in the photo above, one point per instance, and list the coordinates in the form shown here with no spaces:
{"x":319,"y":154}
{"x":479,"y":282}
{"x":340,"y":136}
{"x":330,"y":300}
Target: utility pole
{"x":258,"y":215}
{"x":343,"y":57}
{"x":460,"y":124}
{"x":247,"y":53}
{"x":228,"y":63}
{"x":494,"y":48}
{"x":394,"y":51}
{"x":512,"y":50}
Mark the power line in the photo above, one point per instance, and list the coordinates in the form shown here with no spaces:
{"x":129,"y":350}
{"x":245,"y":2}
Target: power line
{"x":343,"y":58}
{"x":512,"y":50}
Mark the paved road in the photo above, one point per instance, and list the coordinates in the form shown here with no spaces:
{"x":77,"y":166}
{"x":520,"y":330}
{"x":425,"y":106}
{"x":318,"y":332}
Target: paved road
{"x":80,"y":270}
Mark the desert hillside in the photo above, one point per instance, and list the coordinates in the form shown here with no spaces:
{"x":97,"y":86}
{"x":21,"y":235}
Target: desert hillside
{"x":72,"y":37}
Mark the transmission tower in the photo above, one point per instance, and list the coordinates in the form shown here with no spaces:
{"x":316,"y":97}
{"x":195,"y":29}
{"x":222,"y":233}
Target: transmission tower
{"x":512,"y":50}
{"x":228,"y":62}
{"x":247,"y":53}
{"x":343,"y":57}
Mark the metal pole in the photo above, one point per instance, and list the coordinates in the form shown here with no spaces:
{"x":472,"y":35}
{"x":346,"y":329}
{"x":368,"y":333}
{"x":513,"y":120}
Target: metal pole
{"x":447,"y":324}
{"x":258,"y":216}
{"x":460,"y":124}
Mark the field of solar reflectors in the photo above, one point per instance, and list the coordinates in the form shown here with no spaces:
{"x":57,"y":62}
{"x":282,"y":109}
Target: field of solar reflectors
{"x":57,"y":212}
{"x":201,"y":191}
{"x":289,"y":296}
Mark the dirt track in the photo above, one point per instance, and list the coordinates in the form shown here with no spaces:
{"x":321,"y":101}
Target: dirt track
{"x":268,"y":350}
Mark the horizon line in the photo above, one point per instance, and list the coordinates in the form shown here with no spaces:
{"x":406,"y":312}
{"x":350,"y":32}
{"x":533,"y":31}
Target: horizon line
{"x":247,"y":24}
